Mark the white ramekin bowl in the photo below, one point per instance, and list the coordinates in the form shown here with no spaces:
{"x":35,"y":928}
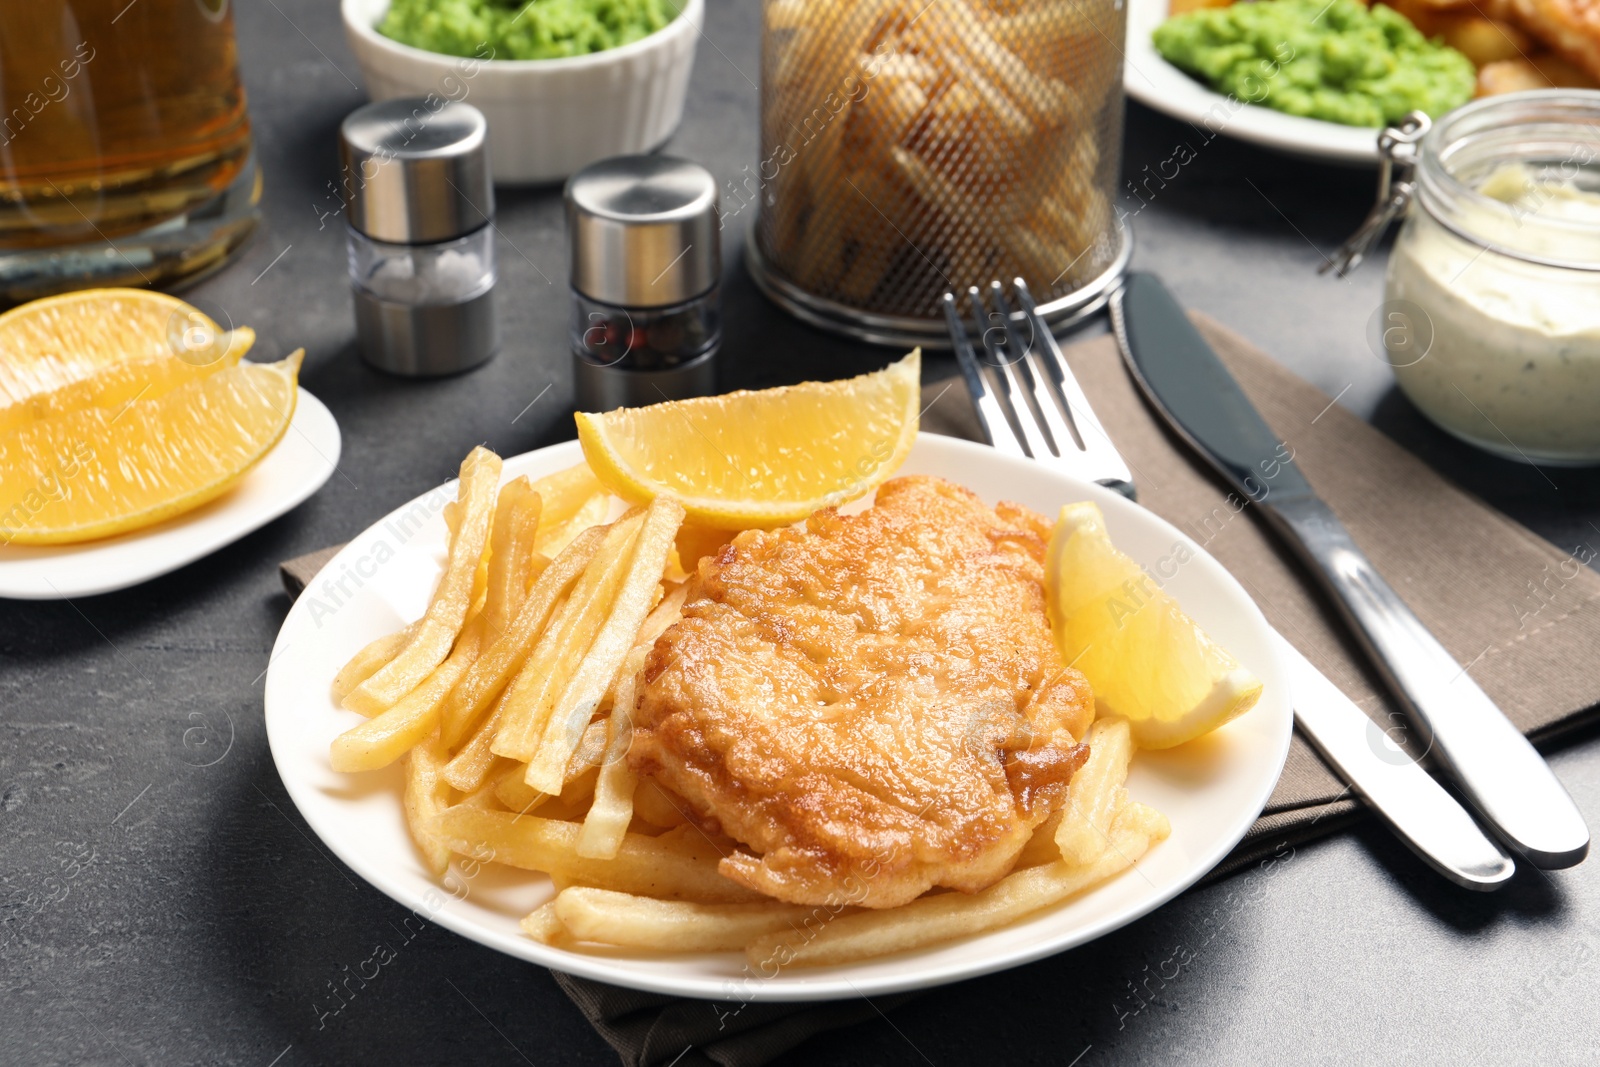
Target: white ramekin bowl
{"x":547,"y":117}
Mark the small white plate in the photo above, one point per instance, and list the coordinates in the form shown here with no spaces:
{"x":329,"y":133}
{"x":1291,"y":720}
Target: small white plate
{"x":295,"y":468}
{"x":1156,"y":83}
{"x":1211,"y":789}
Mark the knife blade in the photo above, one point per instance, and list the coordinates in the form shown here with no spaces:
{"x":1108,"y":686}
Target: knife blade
{"x":1423,"y":815}
{"x":1501,"y":776}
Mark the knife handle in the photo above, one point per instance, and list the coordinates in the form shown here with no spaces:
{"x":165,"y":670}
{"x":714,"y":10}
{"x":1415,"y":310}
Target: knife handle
{"x":1503,"y":777}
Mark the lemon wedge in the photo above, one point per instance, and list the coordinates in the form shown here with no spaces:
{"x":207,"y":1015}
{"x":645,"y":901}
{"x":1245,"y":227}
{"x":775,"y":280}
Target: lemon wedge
{"x":1146,"y":660}
{"x":764,"y":458}
{"x":98,"y":471}
{"x":61,"y":341}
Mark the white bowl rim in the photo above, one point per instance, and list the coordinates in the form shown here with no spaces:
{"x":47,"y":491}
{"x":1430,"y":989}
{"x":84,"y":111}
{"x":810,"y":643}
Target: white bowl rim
{"x":688,"y":14}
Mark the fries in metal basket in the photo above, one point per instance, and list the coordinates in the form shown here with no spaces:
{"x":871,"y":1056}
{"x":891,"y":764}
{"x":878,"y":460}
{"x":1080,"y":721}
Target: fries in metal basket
{"x":909,"y":148}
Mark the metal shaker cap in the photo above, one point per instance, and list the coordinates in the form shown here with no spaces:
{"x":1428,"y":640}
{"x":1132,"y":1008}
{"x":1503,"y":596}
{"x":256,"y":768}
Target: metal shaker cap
{"x":644,"y":231}
{"x":415,"y":173}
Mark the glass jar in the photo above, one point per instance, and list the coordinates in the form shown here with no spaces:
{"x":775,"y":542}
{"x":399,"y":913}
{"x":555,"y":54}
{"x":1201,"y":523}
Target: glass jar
{"x":1492,"y":312}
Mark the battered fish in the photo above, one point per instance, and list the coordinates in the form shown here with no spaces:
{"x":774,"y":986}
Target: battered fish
{"x":872,"y":705}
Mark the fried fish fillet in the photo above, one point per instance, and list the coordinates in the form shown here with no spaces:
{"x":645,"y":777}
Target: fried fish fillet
{"x":871,"y":705}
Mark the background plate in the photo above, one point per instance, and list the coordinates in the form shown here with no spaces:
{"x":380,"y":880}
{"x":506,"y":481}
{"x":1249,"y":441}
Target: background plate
{"x":1156,"y":83}
{"x":296,"y":467}
{"x":1211,"y":789}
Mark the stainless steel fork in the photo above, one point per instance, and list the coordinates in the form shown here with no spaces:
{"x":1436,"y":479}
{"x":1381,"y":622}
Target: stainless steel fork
{"x":1052,"y":423}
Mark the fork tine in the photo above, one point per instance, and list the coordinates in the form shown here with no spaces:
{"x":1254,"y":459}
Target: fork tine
{"x":1097,"y":444}
{"x":1064,"y":435}
{"x":1032,"y":432}
{"x":991,"y":416}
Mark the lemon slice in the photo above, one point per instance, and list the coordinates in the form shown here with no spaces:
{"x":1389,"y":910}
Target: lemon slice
{"x":760,"y":459}
{"x":1145,"y":659}
{"x":60,"y":341}
{"x":100,"y":471}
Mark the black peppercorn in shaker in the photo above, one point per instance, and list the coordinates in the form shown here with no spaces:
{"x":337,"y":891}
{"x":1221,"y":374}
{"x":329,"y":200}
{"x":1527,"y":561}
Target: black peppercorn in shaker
{"x":646,"y":258}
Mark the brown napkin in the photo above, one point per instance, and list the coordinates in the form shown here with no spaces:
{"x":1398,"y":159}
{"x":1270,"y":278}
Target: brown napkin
{"x":1515,"y":608}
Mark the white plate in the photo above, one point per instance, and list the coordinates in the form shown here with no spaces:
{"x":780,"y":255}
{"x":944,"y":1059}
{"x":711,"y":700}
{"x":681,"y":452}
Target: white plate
{"x":1153,"y":81}
{"x":1212,"y":789}
{"x":295,"y":468}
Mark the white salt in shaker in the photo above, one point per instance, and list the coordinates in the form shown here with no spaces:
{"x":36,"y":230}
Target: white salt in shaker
{"x":419,"y":203}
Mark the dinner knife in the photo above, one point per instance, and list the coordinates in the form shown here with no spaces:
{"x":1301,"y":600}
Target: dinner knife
{"x":1423,"y":815}
{"x":1501,"y":776}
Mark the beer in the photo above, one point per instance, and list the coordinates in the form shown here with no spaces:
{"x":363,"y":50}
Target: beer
{"x":115,"y":117}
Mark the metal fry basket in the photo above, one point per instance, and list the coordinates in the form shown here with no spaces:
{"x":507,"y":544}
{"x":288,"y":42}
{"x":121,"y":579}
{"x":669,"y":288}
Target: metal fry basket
{"x":914,"y":147}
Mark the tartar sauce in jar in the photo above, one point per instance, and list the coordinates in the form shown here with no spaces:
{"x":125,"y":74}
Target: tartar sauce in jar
{"x":1499,"y":264}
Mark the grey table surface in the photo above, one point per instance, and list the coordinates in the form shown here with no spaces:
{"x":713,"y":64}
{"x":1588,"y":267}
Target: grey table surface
{"x":162,"y":902}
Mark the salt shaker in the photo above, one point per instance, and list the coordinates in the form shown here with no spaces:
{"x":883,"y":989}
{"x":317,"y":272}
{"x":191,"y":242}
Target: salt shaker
{"x":419,"y":203}
{"x":646,"y":259}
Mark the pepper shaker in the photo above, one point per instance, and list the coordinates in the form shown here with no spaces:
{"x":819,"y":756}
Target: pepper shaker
{"x":419,"y":204}
{"x":646,"y":260}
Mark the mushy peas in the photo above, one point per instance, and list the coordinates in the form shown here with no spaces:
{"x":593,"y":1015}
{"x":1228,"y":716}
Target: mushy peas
{"x":1338,"y":61}
{"x":505,"y":29}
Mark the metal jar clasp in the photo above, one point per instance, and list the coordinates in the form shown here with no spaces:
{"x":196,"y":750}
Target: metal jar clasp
{"x":1397,"y":169}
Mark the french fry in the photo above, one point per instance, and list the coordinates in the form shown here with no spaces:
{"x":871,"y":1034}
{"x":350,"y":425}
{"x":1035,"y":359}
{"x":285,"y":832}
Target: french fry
{"x":886,"y":113}
{"x":515,"y":794}
{"x":1092,"y":793}
{"x":511,"y":554}
{"x":473,"y":762}
{"x":591,"y":750}
{"x":426,"y":796}
{"x":1041,"y":845}
{"x":543,"y":925}
{"x":554,"y":536}
{"x":668,"y":610}
{"x":573,"y":803}
{"x":532,"y":694}
{"x":490,"y":672}
{"x":581,"y":698}
{"x":931,"y":920}
{"x":370,"y":659}
{"x":386,"y":737}
{"x":652,"y":804}
{"x":953,"y":26}
{"x":437,"y":632}
{"x":485,"y":797}
{"x":612,"y":811}
{"x":1179,"y":7}
{"x":612,"y":918}
{"x":650,"y":866}
{"x":564,"y":493}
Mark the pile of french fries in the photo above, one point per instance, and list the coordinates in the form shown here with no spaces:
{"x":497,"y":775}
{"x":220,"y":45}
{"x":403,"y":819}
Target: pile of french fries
{"x":510,"y":703}
{"x":910,"y":148}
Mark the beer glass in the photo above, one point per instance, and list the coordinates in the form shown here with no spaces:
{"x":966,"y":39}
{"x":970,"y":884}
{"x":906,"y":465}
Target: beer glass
{"x":125,"y":151}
